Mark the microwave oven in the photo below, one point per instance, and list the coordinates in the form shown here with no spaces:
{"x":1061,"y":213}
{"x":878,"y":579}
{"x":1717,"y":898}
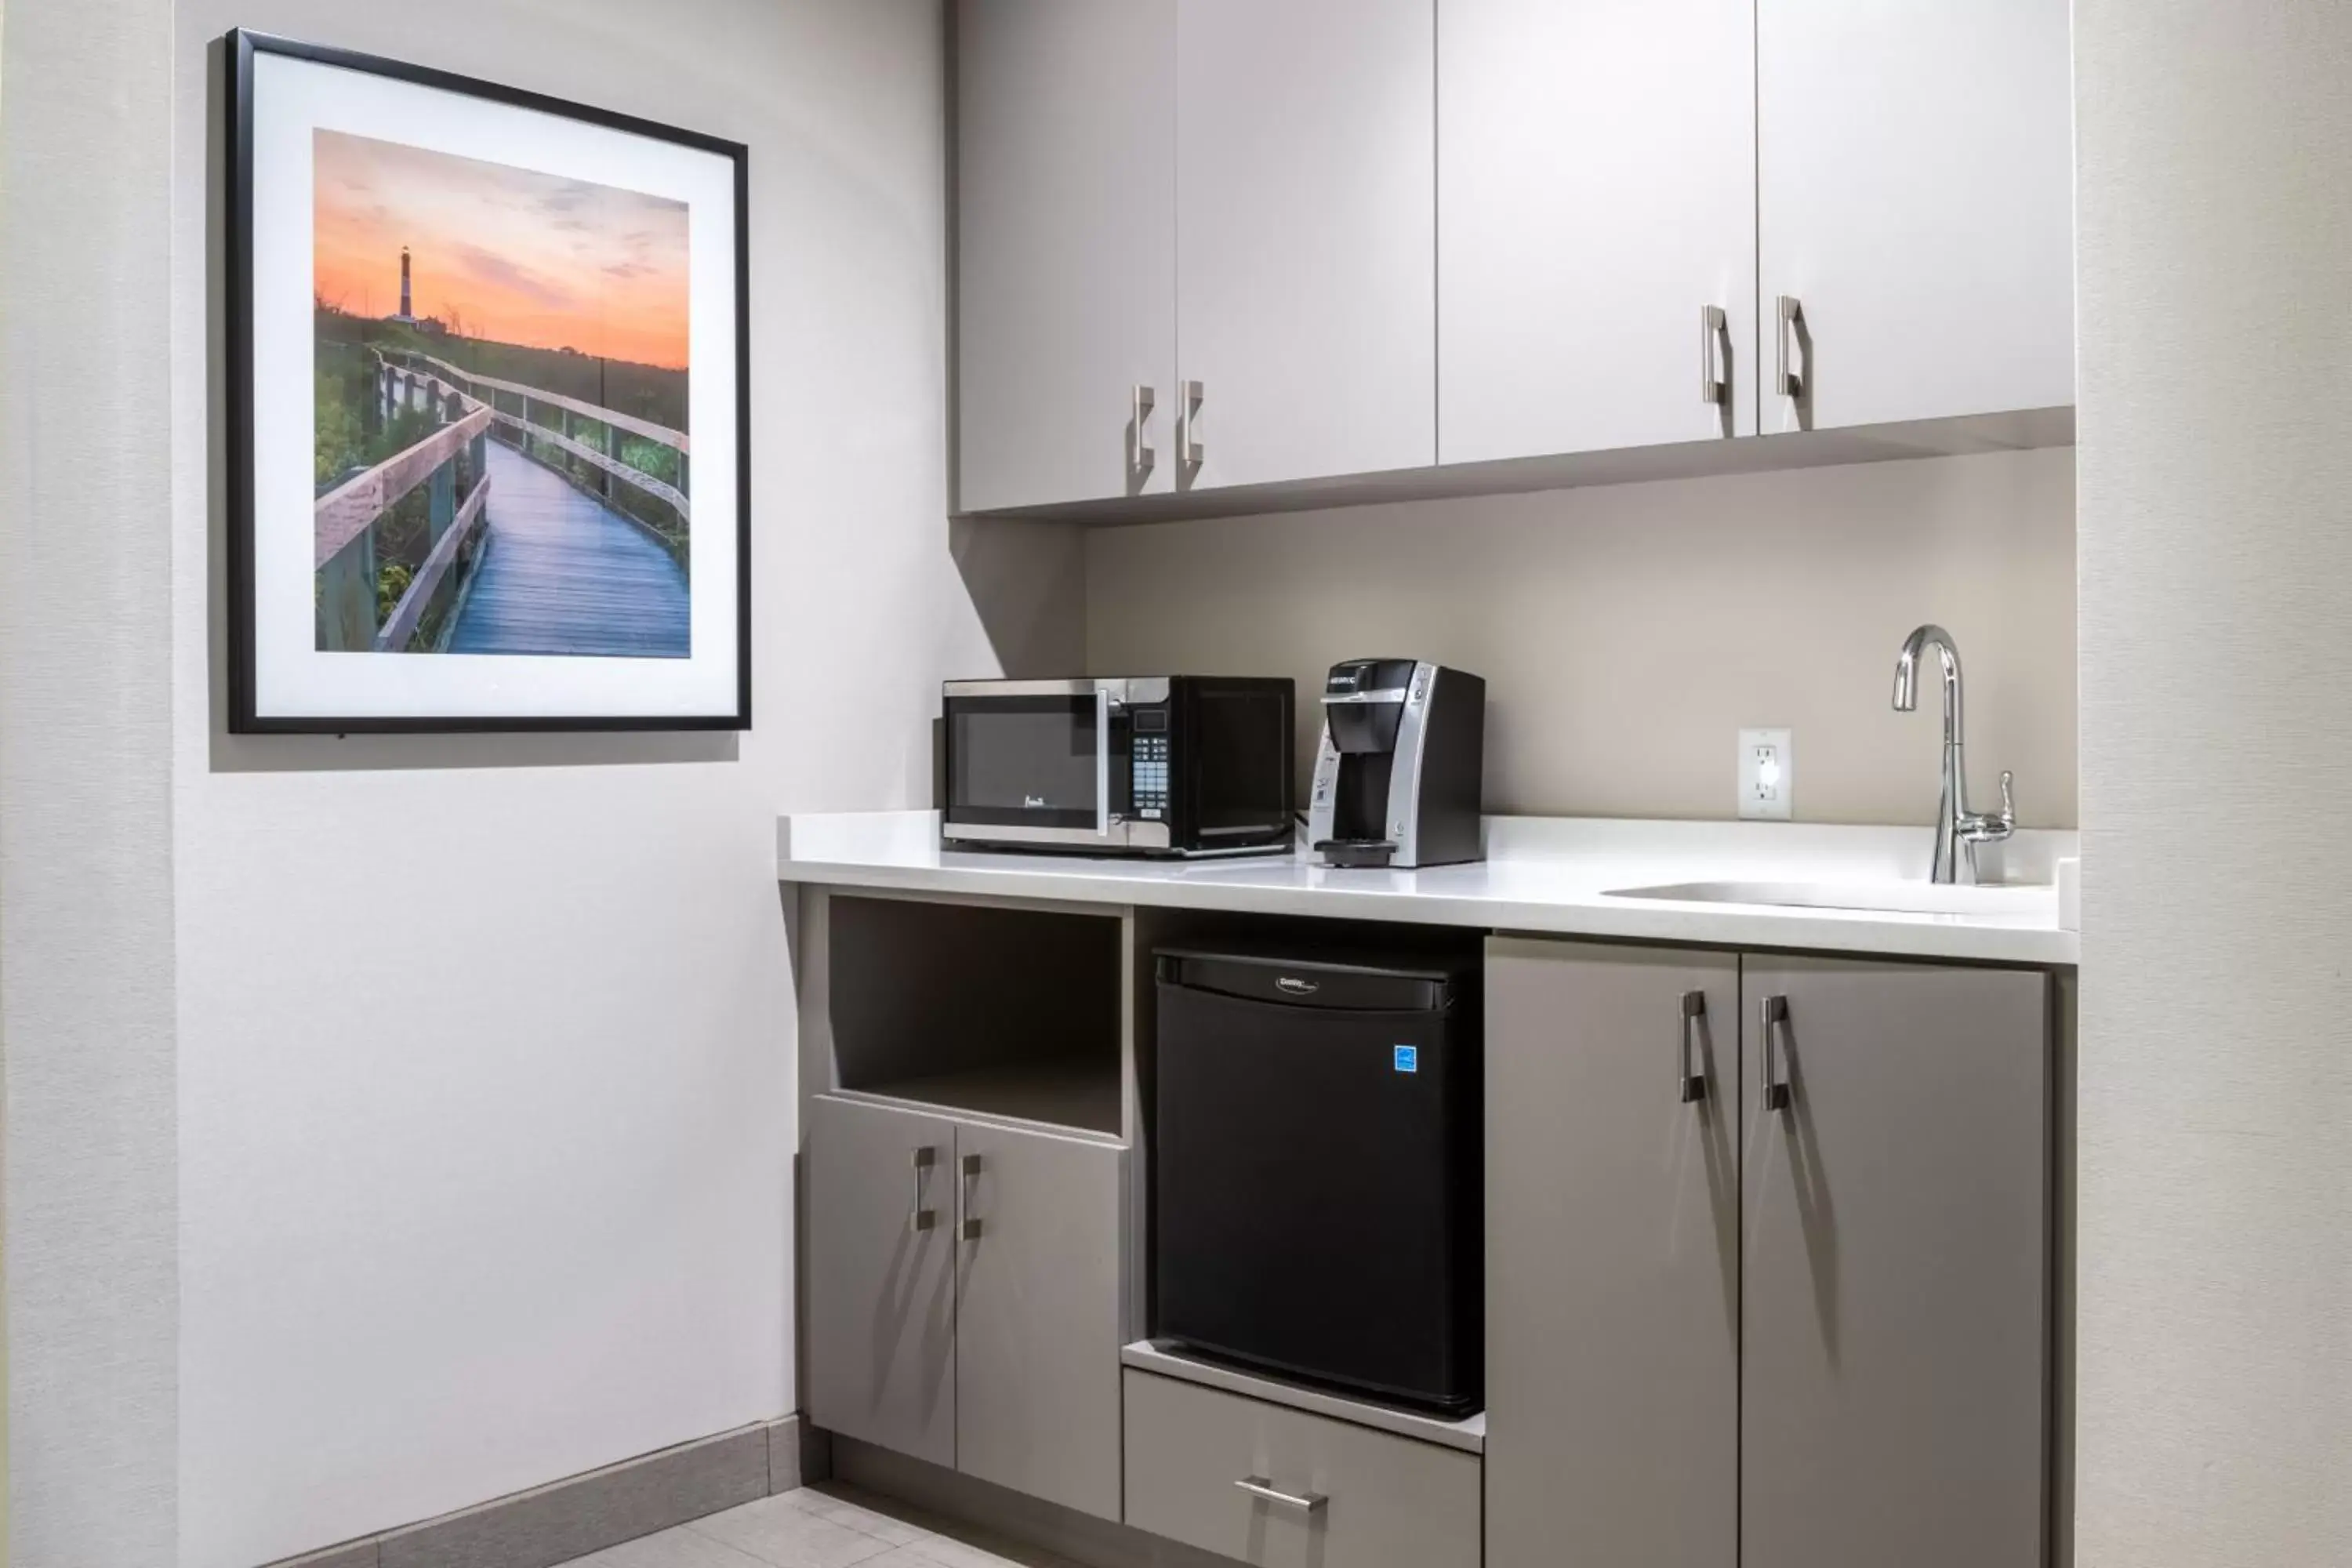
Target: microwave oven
{"x":1180,"y":766}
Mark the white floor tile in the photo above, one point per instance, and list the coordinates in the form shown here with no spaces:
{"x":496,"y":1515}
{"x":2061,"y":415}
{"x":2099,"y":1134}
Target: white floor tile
{"x":679,"y":1548}
{"x":979,"y":1551}
{"x":781,"y":1534}
{"x":880,"y":1518}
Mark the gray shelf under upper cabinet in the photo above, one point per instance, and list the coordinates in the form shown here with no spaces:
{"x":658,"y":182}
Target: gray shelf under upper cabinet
{"x":1468,"y":1434}
{"x":1949,"y":438}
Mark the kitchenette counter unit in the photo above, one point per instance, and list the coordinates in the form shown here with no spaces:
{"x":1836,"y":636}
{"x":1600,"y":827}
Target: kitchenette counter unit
{"x":1797,"y":886}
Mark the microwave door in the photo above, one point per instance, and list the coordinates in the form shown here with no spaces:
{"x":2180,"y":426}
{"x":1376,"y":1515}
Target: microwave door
{"x":1030,"y":761}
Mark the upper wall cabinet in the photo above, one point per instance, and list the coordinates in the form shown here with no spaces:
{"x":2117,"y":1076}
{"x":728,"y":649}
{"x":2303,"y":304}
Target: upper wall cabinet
{"x":1596,"y":225}
{"x":1209,"y":243}
{"x":1066,"y":220}
{"x":1914,"y":161}
{"x":1306,"y":276}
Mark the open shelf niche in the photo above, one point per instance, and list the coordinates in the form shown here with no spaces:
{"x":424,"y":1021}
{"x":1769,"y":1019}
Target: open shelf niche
{"x":979,"y":1010}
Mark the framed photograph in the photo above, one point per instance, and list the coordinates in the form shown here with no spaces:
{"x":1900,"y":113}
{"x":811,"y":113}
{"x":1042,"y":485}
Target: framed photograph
{"x":490,"y":436}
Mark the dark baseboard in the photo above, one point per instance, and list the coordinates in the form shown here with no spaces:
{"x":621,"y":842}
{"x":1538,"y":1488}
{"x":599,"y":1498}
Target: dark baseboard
{"x":573,"y":1517}
{"x":1033,"y":1521}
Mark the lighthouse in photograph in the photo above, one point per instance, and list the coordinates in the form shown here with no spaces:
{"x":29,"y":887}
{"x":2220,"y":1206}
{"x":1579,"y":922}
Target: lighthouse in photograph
{"x":406,"y":317}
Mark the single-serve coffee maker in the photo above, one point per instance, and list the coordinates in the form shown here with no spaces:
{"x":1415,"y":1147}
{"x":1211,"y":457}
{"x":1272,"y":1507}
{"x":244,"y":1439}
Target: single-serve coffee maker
{"x":1398,"y":779}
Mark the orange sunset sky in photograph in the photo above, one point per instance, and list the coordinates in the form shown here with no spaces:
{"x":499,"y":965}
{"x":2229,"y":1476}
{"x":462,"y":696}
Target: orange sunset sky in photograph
{"x":500,"y":253}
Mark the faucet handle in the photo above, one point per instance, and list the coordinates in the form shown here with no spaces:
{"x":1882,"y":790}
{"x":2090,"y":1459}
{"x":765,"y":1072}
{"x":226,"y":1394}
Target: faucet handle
{"x":1979,"y":827}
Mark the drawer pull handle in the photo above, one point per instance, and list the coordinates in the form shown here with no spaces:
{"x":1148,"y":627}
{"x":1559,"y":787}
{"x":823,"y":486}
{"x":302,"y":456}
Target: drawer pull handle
{"x":1260,"y":1487}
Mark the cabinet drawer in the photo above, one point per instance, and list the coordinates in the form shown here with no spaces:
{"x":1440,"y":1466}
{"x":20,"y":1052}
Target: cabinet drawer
{"x":1387,"y":1502}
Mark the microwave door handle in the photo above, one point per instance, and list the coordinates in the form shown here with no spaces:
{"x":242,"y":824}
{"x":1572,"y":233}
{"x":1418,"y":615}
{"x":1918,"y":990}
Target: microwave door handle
{"x":1102,"y":762}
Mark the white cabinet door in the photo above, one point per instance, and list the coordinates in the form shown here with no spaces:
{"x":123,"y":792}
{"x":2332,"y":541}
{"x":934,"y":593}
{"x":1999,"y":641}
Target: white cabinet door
{"x":1914,"y":163}
{"x":1306,"y":278}
{"x":1596,"y":192}
{"x":1065,"y":247}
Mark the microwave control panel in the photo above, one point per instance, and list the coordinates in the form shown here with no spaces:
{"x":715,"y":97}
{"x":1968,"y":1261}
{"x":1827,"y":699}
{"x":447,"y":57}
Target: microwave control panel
{"x":1148,"y":757}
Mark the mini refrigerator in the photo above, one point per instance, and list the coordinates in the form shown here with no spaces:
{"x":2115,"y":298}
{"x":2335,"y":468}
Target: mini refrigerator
{"x":1317,"y":1169}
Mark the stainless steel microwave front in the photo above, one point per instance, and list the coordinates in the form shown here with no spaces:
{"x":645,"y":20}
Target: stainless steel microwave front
{"x":1036,"y":818}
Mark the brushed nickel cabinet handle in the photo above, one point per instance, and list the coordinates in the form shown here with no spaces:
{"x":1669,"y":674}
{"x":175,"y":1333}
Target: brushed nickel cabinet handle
{"x":1775,"y":1080}
{"x":1714,"y":355}
{"x":1691,"y":1077}
{"x":1260,"y":1487}
{"x":919,"y":1218}
{"x":1791,"y":315}
{"x":1188,"y":449}
{"x":1142,"y":400}
{"x":970,"y":1229}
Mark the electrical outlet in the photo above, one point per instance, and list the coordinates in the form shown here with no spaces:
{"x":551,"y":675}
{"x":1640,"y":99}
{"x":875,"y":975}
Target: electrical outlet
{"x":1767,"y":772}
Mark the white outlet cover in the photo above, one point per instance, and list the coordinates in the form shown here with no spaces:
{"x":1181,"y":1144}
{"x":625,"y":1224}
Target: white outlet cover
{"x":1768,"y":774}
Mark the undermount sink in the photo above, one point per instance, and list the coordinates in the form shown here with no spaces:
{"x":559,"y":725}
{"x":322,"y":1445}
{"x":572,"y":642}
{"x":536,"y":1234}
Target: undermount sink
{"x":1880,"y":898}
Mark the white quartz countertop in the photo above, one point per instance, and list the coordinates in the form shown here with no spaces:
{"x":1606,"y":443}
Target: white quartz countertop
{"x":1562,"y":874}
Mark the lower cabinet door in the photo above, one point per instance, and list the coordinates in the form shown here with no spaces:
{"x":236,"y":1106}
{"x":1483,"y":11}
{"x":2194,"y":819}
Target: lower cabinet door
{"x":1612,"y":1256}
{"x":881,"y":1293}
{"x":1268,"y":1485}
{"x":1894,"y":1363}
{"x":1041,"y":1314}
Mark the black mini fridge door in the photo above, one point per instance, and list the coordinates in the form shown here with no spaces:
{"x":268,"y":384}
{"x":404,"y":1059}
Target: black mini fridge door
{"x":1317,"y":1169}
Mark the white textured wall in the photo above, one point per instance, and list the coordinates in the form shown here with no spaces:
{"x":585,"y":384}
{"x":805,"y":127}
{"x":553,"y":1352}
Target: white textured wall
{"x":485,"y":1054}
{"x":1628,"y":632}
{"x":2215,"y":1325}
{"x":86,"y":976}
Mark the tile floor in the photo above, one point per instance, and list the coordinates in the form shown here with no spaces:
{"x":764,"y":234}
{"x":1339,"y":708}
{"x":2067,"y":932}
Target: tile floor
{"x":827,"y":1526}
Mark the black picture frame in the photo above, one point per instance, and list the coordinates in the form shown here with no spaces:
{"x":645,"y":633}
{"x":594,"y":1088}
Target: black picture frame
{"x":240,"y":47}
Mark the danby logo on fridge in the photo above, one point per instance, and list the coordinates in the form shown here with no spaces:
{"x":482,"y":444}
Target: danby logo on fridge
{"x":1408,"y":1059}
{"x":1291,"y":985}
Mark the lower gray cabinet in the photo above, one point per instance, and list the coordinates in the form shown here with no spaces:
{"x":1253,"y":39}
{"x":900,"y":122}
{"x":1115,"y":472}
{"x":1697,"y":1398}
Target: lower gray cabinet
{"x":1268,"y":1485}
{"x":1038,"y":1315}
{"x":965,"y":1296}
{"x":1896,"y":1200}
{"x":880,"y":1294}
{"x":1768,"y":1260}
{"x":1612,"y":1256}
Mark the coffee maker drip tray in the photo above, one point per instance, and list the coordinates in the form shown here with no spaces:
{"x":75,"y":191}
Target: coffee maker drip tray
{"x":1356,"y":851}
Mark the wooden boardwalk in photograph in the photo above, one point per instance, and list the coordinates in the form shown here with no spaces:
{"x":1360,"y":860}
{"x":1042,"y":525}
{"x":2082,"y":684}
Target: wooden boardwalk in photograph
{"x":562,"y":572}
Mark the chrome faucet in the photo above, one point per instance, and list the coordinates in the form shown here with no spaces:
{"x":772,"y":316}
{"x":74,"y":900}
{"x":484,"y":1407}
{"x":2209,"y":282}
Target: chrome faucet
{"x":1958,"y":831}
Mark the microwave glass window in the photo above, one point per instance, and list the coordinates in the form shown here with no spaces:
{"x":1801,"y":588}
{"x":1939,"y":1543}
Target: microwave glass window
{"x":1245,"y":739}
{"x":1023,"y":760}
